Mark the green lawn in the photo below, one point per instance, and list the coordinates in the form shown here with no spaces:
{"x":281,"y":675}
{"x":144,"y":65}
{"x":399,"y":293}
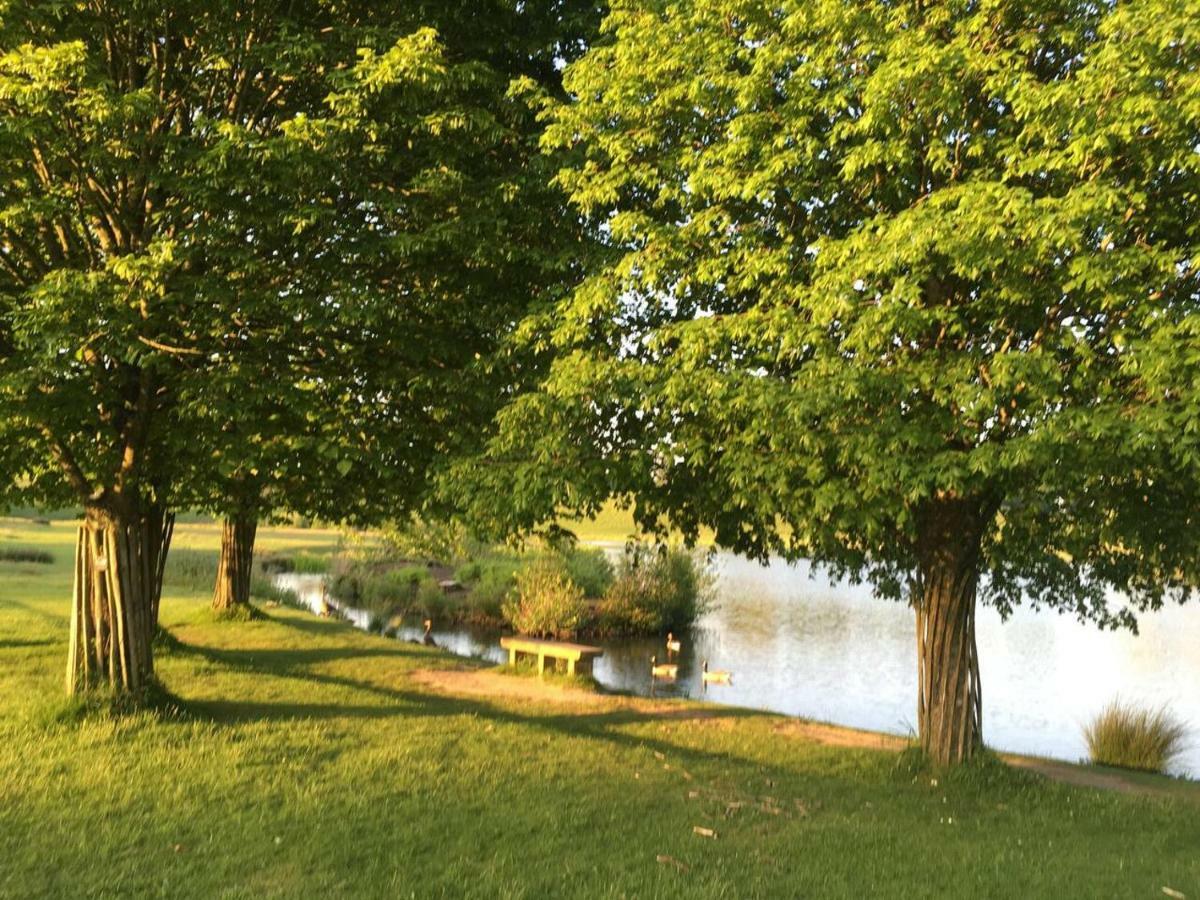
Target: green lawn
{"x":614,"y":525}
{"x":307,"y":761}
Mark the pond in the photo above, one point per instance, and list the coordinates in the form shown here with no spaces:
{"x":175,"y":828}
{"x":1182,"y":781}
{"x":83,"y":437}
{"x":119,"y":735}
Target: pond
{"x":804,"y":645}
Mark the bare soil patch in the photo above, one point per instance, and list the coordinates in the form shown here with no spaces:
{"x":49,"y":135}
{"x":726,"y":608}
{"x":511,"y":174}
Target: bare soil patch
{"x":487,"y":683}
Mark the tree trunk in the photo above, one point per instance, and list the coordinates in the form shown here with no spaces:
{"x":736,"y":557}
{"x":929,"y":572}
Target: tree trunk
{"x":237,"y":561}
{"x":119,"y":559}
{"x":949,"y":701}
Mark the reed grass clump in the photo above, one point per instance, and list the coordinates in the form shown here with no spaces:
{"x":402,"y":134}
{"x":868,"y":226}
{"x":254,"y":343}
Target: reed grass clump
{"x":190,"y":571}
{"x":1133,"y":737}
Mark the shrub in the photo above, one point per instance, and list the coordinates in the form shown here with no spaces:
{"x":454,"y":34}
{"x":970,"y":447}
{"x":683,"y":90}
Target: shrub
{"x":545,"y":602}
{"x":26,"y":554}
{"x":1132,"y":738}
{"x":488,"y":582}
{"x":590,"y":569}
{"x":622,"y":612}
{"x":655,"y":590}
{"x":272,"y":564}
{"x":430,"y":600}
{"x":417,"y":538}
{"x":469,"y":571}
{"x":385,"y":588}
{"x":393,"y":587}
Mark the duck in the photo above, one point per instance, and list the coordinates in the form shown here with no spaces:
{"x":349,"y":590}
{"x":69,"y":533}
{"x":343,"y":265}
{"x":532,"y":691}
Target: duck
{"x":666,"y":670}
{"x":673,"y":646}
{"x":427,"y":638}
{"x":717,"y":676}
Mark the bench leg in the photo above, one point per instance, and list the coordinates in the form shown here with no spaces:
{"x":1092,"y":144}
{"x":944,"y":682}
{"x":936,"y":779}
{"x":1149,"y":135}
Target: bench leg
{"x":570,"y":667}
{"x":541,"y":664}
{"x":512,"y":657}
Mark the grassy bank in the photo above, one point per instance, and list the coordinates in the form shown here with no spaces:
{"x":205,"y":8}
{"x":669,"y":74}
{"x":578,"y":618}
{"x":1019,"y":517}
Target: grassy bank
{"x":309,"y":759}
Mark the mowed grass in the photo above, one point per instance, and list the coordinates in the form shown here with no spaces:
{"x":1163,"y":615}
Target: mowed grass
{"x":615,"y":525}
{"x":307,"y":761}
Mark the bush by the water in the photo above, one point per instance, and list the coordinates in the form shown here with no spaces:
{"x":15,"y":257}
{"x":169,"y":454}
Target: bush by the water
{"x":378,"y":588}
{"x":560,"y":591}
{"x":590,"y":569}
{"x":652,"y":590}
{"x":656,"y":589}
{"x":491,"y":578}
{"x":1135,"y":738}
{"x":545,"y":601}
{"x":488,"y":581}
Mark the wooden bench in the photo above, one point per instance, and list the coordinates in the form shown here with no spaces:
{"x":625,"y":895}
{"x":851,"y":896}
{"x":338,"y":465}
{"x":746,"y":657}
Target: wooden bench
{"x":578,"y":656}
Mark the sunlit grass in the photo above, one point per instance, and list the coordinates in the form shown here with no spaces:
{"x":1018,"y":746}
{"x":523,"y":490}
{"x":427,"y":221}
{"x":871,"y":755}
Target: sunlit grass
{"x":303,"y":758}
{"x":613,"y":525}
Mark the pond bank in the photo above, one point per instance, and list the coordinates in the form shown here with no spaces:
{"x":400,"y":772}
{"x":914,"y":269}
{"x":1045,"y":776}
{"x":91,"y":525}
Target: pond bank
{"x":809,"y":647}
{"x":466,"y":682}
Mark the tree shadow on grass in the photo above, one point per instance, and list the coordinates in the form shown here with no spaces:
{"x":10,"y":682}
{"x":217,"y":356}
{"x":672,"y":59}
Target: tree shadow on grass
{"x":604,"y":726}
{"x":240,"y":712}
{"x":58,"y":619}
{"x":17,"y":643}
{"x":309,"y":623}
{"x":289,"y":662}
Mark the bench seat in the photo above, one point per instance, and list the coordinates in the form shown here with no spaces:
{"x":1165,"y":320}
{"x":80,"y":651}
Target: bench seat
{"x":578,"y":657}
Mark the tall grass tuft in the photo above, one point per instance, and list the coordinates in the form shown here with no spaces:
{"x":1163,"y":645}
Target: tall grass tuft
{"x":1134,"y":738}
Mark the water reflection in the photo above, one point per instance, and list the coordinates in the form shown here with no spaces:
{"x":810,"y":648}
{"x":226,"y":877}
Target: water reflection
{"x":804,"y":646}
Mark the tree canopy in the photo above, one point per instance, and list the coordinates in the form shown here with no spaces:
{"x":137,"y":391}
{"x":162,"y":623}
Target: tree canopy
{"x":896,"y":286}
{"x":272,"y":241}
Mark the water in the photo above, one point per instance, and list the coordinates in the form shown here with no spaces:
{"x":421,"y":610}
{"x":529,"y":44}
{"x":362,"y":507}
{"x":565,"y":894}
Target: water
{"x":824,"y":650}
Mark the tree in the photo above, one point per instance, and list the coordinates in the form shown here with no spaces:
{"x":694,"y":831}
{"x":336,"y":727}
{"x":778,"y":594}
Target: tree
{"x":135,"y":153}
{"x":892,"y":286}
{"x":437,"y":230}
{"x":255,"y":257}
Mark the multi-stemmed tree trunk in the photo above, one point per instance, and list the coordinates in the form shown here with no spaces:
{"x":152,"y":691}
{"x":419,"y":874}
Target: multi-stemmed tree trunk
{"x":119,"y":558}
{"x":237,"y":561}
{"x":949,"y":702}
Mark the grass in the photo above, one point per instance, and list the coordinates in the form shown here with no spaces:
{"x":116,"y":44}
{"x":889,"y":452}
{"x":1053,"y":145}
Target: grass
{"x":613,"y":525}
{"x":1129,"y":737}
{"x":296,"y":756}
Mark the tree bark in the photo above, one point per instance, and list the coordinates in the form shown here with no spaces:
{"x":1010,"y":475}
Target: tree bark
{"x":949,"y":698}
{"x":237,"y":560}
{"x":119,"y":559}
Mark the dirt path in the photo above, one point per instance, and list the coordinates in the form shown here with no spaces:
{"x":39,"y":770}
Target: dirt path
{"x":487,"y":683}
{"x":1106,"y":779}
{"x":484,"y":683}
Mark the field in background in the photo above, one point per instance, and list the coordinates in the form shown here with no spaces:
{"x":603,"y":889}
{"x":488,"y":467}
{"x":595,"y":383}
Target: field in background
{"x":613,"y":525}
